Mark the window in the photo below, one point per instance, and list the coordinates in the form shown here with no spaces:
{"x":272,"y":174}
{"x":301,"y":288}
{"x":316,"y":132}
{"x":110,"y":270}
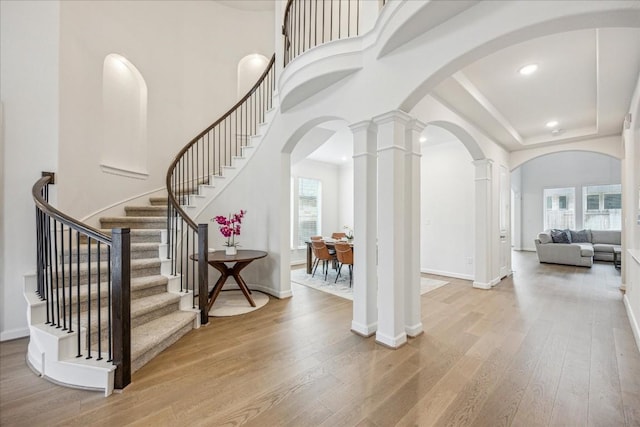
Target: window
{"x":562,"y":202}
{"x":559,"y":208}
{"x":305,"y":210}
{"x":603,"y":207}
{"x":593,"y":202}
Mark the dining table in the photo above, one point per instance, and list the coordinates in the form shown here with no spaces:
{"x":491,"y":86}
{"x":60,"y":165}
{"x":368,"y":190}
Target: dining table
{"x":330,"y":245}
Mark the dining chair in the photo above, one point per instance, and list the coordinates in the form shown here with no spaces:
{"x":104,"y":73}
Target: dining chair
{"x":344,"y":253}
{"x":321,"y":252}
{"x":338,"y":236}
{"x":331,"y":250}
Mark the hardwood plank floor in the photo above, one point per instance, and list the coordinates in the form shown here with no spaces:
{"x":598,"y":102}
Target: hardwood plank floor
{"x":549,"y":346}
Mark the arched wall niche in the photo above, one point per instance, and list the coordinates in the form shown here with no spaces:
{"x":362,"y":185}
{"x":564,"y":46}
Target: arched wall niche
{"x":124,"y":119}
{"x":250,"y":68}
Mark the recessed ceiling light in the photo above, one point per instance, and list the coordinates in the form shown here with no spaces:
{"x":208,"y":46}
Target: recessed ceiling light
{"x":552,"y":124}
{"x":528,"y":69}
{"x":423,"y":139}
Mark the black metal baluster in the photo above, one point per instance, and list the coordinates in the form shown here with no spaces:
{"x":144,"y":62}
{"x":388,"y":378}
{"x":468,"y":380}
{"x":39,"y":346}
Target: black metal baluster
{"x":71,"y":281}
{"x":64,"y":300}
{"x":89,"y":298}
{"x":194,"y":275}
{"x":109,"y":320}
{"x":98,"y":306}
{"x":78,"y":291}
{"x":331,"y":21}
{"x":357,"y":18}
{"x":57,"y":276}
{"x":181,"y":257}
{"x":50,"y":283}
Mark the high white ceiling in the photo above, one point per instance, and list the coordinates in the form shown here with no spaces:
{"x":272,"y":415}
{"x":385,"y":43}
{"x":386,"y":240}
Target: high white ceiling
{"x":585,"y":80}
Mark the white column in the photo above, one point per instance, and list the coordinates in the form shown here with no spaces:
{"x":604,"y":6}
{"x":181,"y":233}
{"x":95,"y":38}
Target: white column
{"x":483,"y":249}
{"x":413,"y":315}
{"x":365,"y":278}
{"x":391,"y":228}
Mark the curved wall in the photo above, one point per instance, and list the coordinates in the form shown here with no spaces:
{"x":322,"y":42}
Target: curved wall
{"x":188,"y":53}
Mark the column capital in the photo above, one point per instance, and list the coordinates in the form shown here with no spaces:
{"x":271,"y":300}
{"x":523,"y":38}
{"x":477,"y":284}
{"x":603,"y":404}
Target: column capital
{"x":365,"y":125}
{"x":483,"y":169}
{"x":398,"y":116}
{"x":482,"y":162}
{"x":416,"y":125}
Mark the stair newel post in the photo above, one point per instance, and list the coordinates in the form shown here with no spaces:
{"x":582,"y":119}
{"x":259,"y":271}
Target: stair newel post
{"x":203,"y":272}
{"x":121,"y":308}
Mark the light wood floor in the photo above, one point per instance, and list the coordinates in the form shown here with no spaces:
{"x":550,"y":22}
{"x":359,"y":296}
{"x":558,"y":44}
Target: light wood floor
{"x":550,"y":346}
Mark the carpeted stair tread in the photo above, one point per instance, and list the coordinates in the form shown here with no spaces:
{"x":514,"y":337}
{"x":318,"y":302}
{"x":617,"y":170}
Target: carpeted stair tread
{"x":134,"y":222}
{"x":140,"y":287}
{"x":136,"y":264}
{"x":139,"y":250}
{"x":150,"y":339}
{"x":151,"y":303}
{"x":139,"y":235}
{"x":148,"y":211}
{"x":143,"y":310}
{"x":158,"y":201}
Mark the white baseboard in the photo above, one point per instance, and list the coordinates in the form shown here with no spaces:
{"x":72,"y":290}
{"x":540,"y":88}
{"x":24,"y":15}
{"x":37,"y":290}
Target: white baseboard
{"x":271,"y":291}
{"x":633,"y":321}
{"x":414,"y":330}
{"x":14,"y":334}
{"x":447,"y":274}
{"x":391,"y":342}
{"x":364,"y":330}
{"x":482,"y":285}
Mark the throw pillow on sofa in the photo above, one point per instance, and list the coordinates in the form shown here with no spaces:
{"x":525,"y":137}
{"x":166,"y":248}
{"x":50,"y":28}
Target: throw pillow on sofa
{"x":560,"y":236}
{"x":545,"y":237}
{"x":582,"y":236}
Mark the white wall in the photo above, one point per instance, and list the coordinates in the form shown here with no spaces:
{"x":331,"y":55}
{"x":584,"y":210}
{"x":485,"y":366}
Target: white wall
{"x":565,"y":169}
{"x":29,"y":34}
{"x":516,"y":209}
{"x":631,"y":200}
{"x":447,"y":210}
{"x":187,"y":53}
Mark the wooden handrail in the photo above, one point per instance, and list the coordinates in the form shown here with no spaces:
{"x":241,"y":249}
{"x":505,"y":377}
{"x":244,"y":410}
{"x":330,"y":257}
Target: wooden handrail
{"x":61,"y":273}
{"x":203,"y":157}
{"x":44,"y":206}
{"x":172,"y":199}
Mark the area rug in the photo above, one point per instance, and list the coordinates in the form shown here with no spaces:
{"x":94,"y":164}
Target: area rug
{"x":342,"y":288}
{"x":233,"y":303}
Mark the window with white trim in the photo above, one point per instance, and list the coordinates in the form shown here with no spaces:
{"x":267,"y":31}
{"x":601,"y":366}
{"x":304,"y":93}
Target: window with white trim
{"x":305,"y":209}
{"x":559,"y":208}
{"x":602,"y":207}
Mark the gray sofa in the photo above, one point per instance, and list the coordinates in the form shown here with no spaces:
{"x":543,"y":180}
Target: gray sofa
{"x":583,"y":248}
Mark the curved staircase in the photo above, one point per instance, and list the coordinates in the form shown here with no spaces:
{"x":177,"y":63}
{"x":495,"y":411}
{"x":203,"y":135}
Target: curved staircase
{"x":160,"y":313}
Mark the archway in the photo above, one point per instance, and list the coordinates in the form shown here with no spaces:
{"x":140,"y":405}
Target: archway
{"x":579,"y":179}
